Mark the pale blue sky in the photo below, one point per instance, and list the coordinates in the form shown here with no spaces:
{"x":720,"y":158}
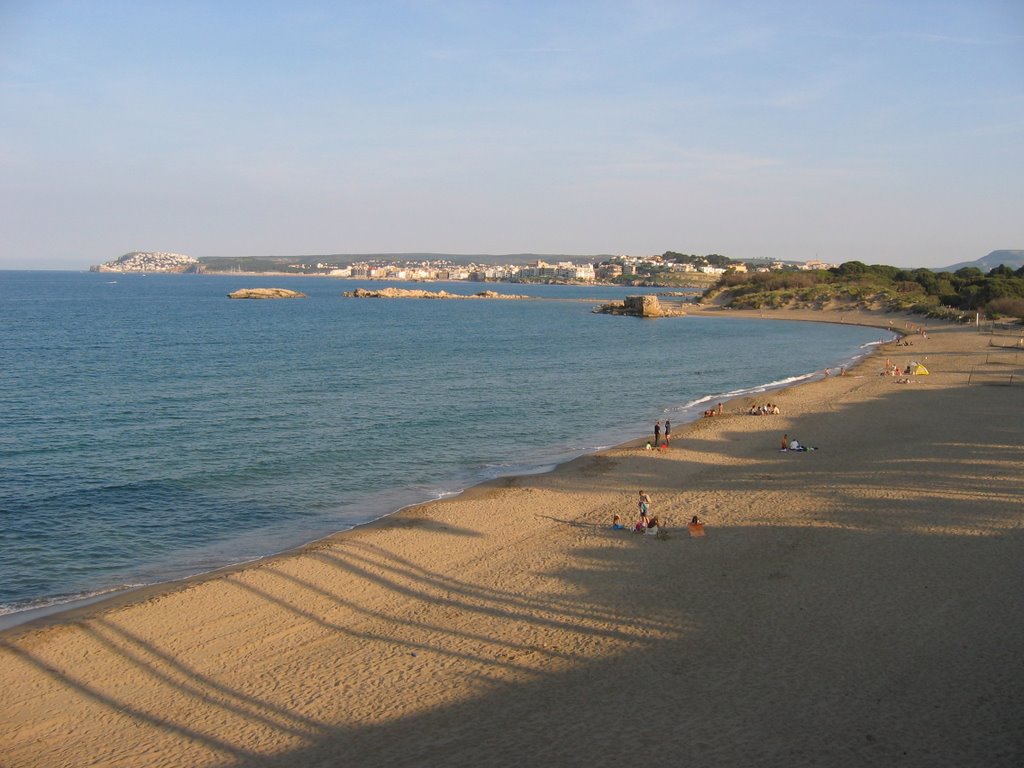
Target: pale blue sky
{"x":889,"y":132}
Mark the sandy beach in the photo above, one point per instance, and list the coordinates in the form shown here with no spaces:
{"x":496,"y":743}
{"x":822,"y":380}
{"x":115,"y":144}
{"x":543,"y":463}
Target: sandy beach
{"x":855,"y":605}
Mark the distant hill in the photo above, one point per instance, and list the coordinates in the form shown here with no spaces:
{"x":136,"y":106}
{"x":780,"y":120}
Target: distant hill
{"x":1013,"y":259}
{"x":149,"y":261}
{"x":268,"y":263}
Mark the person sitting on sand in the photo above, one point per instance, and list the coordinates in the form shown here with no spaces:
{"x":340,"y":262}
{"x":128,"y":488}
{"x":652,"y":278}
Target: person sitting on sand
{"x":696,"y":526}
{"x":641,"y":525}
{"x":617,"y":523}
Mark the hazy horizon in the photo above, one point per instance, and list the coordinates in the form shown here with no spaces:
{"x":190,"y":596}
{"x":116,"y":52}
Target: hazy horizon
{"x":876,"y":132}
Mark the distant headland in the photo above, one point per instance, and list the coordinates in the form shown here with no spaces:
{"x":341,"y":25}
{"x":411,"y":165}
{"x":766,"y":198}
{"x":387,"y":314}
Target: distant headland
{"x":151,"y":261}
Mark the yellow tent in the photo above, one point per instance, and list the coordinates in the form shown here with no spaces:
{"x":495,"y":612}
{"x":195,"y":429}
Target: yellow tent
{"x":919,"y":370}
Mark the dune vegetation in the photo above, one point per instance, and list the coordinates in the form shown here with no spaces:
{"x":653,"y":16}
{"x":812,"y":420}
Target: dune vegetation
{"x":996,"y":294}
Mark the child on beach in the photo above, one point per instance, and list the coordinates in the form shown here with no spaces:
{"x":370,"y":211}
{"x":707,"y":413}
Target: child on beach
{"x":696,"y":526}
{"x":644,"y":504}
{"x":617,"y":523}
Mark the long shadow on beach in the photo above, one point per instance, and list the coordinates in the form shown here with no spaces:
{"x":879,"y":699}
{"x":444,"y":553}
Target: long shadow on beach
{"x":794,"y":647}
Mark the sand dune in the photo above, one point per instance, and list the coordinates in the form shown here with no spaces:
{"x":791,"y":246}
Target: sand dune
{"x":854,"y":605}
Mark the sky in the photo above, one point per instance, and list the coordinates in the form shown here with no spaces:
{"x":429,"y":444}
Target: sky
{"x":884,"y":132}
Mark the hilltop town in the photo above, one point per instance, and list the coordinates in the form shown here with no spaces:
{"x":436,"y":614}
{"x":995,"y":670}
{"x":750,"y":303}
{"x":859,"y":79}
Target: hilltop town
{"x":143,"y":261}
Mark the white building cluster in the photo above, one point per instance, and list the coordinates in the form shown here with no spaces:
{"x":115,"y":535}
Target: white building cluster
{"x":155,"y":261}
{"x":442,"y":270}
{"x":632,"y":265}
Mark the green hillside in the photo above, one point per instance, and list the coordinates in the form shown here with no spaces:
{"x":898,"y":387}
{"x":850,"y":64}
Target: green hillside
{"x":997,"y":293}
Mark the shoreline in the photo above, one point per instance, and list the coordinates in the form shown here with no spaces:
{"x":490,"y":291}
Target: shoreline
{"x":824,"y":619}
{"x":76,"y":608}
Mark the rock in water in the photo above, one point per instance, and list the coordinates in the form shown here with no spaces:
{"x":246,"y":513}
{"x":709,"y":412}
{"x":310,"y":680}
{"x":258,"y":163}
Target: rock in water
{"x":265,"y":293}
{"x":405,"y":293}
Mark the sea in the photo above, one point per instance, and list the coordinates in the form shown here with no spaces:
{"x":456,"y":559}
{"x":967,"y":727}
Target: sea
{"x":153,"y":429}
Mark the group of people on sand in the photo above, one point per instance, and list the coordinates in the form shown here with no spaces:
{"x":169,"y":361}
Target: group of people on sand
{"x":788,"y":444}
{"x":713,"y":411}
{"x":765,"y":409}
{"x":662,"y":435}
{"x":645,"y":522}
{"x":650,"y":524}
{"x":893,"y":369}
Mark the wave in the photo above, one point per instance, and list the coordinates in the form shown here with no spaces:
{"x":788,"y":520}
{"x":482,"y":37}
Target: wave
{"x":745,"y":391}
{"x":878,"y":342}
{"x":25,"y":610}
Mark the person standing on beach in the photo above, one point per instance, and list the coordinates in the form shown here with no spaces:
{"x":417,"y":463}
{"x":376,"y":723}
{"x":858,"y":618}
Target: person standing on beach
{"x":668,"y":431}
{"x":657,"y":433}
{"x":645,"y":505}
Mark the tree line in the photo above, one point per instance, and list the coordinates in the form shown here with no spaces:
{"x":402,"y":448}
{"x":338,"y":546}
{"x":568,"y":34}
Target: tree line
{"x":1000,"y":292}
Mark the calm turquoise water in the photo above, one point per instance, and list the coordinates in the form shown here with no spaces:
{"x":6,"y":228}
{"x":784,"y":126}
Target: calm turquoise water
{"x":153,"y":429}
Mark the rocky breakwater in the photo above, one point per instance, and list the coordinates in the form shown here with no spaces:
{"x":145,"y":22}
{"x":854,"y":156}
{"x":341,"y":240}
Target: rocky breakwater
{"x":404,"y":293}
{"x":265,"y":293}
{"x":639,"y":306}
